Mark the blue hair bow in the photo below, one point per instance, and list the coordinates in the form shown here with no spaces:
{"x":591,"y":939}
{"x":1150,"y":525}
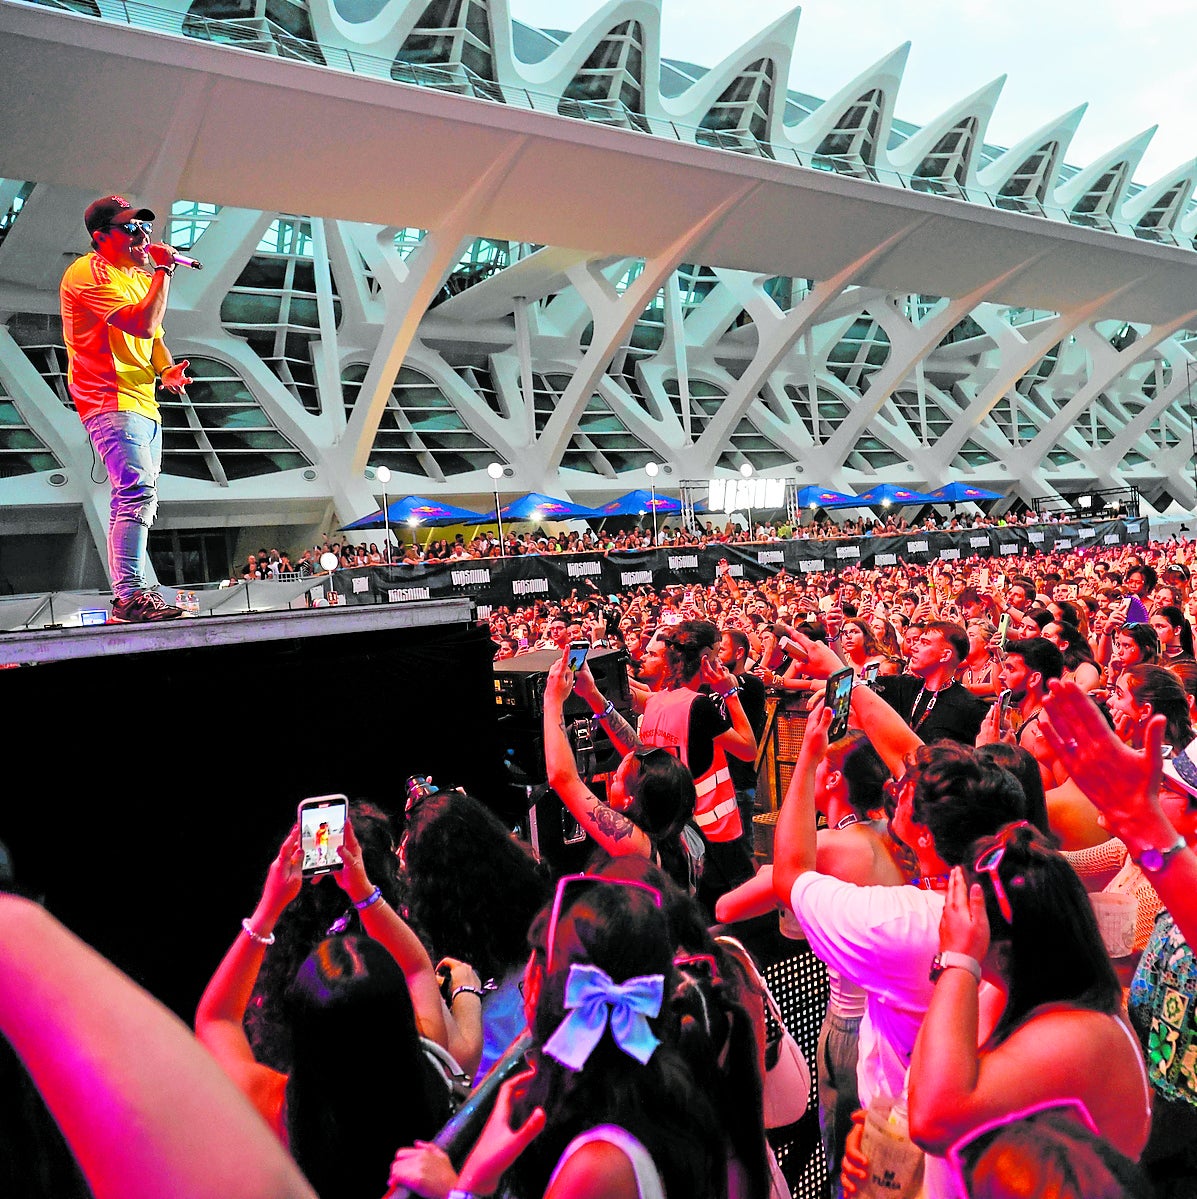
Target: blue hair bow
{"x":594,"y":1001}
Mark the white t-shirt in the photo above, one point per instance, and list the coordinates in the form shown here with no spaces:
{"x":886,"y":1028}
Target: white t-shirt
{"x":884,"y":940}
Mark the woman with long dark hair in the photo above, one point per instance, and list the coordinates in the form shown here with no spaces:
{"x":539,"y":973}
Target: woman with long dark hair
{"x":1018,"y":918}
{"x":650,"y":795}
{"x":1080,"y":666}
{"x":354,"y":1012}
{"x":472,"y":891}
{"x":610,"y":1107}
{"x":1175,"y":633}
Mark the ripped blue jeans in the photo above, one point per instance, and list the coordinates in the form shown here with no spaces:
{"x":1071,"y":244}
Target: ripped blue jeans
{"x":130,"y":446}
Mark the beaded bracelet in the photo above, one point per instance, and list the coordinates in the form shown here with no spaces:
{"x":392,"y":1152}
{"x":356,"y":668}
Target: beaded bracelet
{"x":254,"y":935}
{"x":369,"y":901}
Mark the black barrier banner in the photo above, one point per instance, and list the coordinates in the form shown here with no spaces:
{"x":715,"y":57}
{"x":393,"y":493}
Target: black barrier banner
{"x":515,"y":582}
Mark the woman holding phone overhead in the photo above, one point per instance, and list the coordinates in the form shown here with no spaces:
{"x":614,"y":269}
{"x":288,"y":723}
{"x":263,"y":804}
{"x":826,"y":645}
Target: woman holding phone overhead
{"x":649,"y":795}
{"x":356,"y":1009}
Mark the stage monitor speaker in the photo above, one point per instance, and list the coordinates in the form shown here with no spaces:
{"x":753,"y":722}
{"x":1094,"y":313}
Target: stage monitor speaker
{"x":520,"y":682}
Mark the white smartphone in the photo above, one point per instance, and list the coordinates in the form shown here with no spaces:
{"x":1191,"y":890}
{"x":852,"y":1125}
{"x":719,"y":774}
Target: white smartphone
{"x":322,"y":832}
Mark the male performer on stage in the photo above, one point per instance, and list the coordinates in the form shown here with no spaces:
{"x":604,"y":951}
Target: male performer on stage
{"x":113,"y":301}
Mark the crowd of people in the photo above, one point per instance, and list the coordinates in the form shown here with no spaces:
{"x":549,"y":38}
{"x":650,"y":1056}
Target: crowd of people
{"x":995,"y":861}
{"x":512,"y":543}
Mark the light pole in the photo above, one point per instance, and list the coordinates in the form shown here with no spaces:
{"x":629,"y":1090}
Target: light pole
{"x":495,"y":470}
{"x":650,"y":469}
{"x":1192,"y":424}
{"x":383,"y":475}
{"x":330,"y":563}
{"x":746,"y":472}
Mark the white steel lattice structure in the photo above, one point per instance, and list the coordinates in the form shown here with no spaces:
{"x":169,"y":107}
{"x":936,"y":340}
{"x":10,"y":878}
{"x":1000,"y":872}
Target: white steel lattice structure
{"x":435,"y":239}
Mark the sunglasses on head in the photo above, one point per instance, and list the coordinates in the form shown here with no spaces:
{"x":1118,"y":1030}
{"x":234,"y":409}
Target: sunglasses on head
{"x":964,"y":1154}
{"x":645,"y":752}
{"x":132,"y":227}
{"x":893,"y":787}
{"x":989,"y":862}
{"x":578,"y":883}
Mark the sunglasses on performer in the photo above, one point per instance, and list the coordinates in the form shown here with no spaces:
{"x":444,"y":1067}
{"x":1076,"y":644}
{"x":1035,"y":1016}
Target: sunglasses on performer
{"x":132,"y":227}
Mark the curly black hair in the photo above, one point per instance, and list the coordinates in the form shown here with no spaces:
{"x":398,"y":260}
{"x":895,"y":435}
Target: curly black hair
{"x":320,"y":908}
{"x":473,"y":888}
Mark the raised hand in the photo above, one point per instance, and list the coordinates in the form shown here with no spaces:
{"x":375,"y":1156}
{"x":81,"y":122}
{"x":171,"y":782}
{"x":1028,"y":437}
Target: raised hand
{"x":964,"y":926}
{"x":285,"y":876}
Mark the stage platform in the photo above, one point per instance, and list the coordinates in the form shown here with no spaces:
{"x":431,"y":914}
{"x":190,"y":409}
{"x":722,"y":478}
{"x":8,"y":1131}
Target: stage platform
{"x":154,"y":770}
{"x":33,"y":646}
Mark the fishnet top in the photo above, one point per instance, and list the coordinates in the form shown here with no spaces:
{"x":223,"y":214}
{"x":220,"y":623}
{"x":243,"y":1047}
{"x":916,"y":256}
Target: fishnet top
{"x":1112,"y":855}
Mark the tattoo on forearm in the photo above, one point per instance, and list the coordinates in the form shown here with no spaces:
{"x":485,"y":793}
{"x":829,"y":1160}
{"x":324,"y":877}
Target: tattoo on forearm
{"x":620,"y":731}
{"x":613,"y":824}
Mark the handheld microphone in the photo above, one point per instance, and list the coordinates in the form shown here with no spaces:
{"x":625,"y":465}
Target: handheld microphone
{"x":183,"y":260}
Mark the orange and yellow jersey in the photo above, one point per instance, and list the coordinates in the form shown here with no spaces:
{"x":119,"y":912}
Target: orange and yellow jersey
{"x":109,"y":371}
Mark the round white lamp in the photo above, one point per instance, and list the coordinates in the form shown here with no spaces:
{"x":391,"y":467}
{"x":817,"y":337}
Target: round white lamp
{"x":495,"y":470}
{"x":383,"y":475}
{"x":651,"y":469}
{"x":746,"y":472}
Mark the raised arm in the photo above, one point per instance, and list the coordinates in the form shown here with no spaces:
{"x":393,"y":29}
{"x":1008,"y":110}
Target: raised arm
{"x":221,"y":1012}
{"x":145,"y":1110}
{"x":612,"y":830}
{"x":890,"y":735}
{"x":388,"y":928}
{"x":622,"y":735}
{"x":1124,"y":785}
{"x":795,"y":841}
{"x":739,"y":740}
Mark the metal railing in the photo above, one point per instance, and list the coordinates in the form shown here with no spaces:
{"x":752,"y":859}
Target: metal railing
{"x":264,"y":36}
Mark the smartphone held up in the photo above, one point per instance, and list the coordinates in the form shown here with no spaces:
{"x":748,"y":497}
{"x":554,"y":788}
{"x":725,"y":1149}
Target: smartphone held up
{"x":838,"y":697}
{"x":322,"y":832}
{"x":577,"y":654}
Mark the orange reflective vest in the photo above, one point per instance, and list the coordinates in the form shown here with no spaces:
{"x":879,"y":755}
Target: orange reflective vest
{"x":666,"y":723}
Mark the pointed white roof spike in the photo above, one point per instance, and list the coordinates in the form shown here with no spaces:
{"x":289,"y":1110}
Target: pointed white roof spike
{"x":1159,"y":208}
{"x":1093,"y":194}
{"x":556,"y":72}
{"x":1057,"y":135}
{"x":912,"y":157}
{"x":774,"y":43}
{"x":885,"y":77}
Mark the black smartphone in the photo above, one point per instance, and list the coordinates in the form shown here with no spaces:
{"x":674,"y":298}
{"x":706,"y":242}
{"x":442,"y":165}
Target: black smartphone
{"x":577,"y":654}
{"x":838,"y":698}
{"x":322,"y":832}
{"x":868,"y":674}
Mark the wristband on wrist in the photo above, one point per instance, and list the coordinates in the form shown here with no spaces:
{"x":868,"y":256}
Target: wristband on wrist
{"x":468,"y":990}
{"x":369,"y":901}
{"x":1154,"y":860}
{"x":948,"y":959}
{"x":609,"y":710}
{"x":458,"y":1193}
{"x":161,"y":266}
{"x":254,"y":935}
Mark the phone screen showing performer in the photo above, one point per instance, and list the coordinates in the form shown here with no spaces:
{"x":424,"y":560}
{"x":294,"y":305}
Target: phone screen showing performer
{"x":838,"y":698}
{"x":577,"y":654}
{"x":322,"y":832}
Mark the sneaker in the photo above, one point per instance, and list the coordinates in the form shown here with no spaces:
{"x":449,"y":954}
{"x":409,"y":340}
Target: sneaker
{"x":145,"y":607}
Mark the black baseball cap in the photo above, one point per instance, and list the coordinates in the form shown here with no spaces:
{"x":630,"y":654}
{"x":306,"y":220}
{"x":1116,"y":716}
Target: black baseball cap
{"x":113,"y":210}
